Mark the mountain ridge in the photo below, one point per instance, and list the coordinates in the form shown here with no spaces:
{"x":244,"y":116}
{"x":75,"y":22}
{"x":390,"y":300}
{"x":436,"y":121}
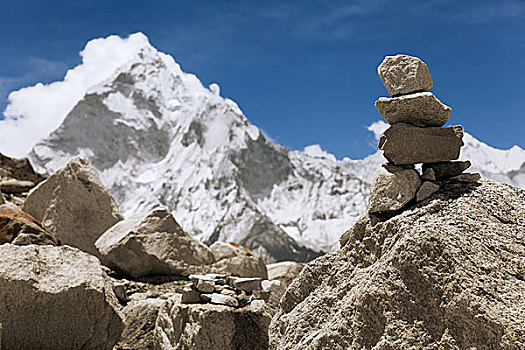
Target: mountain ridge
{"x":161,"y":138}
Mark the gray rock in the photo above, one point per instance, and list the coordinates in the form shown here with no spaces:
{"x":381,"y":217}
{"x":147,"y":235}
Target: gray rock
{"x":392,"y":188}
{"x":74,"y":205}
{"x":55,"y":298}
{"x":223,"y":250}
{"x":119,"y":289}
{"x":276,"y":289}
{"x":284,"y":271}
{"x":402,"y":74}
{"x":443,"y":274}
{"x":248,"y":285}
{"x":208,"y":326}
{"x":426,"y":190}
{"x":428,"y":174}
{"x":151,"y":244}
{"x":447,"y":169}
{"x":223,"y":299}
{"x":407,"y":144}
{"x":421,"y":109}
{"x":242,"y":266}
{"x":203,"y":283}
{"x":140,"y":321}
{"x":190,"y":295}
{"x":466,"y":177}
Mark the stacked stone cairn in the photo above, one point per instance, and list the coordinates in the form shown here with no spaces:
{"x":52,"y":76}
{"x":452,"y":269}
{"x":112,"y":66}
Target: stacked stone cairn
{"x":224,"y":290}
{"x":416,"y":135}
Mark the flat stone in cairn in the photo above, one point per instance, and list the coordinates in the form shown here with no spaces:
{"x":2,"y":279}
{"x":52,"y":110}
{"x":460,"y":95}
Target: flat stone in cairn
{"x":428,"y":174}
{"x":466,"y":177}
{"x":407,"y":144}
{"x":426,"y":190}
{"x":402,"y":74}
{"x":248,"y":285}
{"x":447,"y":169}
{"x":392,"y":188}
{"x":224,"y":300}
{"x":420,"y":109}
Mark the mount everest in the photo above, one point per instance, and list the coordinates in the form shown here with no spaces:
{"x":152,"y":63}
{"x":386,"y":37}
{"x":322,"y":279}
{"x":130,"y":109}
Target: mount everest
{"x":159,"y":137}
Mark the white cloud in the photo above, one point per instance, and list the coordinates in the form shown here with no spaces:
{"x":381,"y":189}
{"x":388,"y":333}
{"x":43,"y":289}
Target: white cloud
{"x":378,"y":128}
{"x":34,"y":112}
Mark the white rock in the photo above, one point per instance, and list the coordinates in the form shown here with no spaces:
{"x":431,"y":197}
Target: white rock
{"x":151,"y":244}
{"x":74,"y":205}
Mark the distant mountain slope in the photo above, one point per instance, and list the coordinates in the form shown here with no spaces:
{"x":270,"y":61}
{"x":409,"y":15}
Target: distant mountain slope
{"x":159,"y":137}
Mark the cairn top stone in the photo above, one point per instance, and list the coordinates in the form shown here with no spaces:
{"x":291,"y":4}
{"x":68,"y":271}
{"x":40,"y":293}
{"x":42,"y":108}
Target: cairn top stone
{"x":403,"y":74}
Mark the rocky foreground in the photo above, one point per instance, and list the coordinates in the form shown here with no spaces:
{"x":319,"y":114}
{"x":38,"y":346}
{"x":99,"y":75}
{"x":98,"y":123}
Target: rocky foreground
{"x":446,"y":273}
{"x":76,"y":275}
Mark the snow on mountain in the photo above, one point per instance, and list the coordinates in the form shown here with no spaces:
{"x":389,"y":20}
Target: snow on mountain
{"x":159,"y":137}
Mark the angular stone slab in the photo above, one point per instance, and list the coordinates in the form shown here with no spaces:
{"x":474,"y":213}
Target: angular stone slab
{"x":426,"y":190}
{"x":407,"y":144}
{"x":428,"y":174}
{"x":55,"y":298}
{"x":466,"y":177}
{"x":248,"y":285}
{"x":447,"y":169}
{"x":421,"y":109}
{"x":151,"y":244}
{"x":74,"y":205}
{"x":403,"y":74}
{"x":224,"y":300}
{"x":392,"y":188}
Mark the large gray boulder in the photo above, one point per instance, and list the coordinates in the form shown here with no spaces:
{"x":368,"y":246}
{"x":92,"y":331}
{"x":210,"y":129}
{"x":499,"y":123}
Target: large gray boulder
{"x":421,"y":109}
{"x":392,"y":188}
{"x":403,"y":74}
{"x":55,"y":298}
{"x":209,"y":327}
{"x":151,"y":244}
{"x":444,"y":274}
{"x":407,"y":144}
{"x":74,"y":205}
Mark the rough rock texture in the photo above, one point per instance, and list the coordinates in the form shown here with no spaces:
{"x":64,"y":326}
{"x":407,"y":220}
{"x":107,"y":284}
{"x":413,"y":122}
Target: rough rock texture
{"x":241,"y":266}
{"x":407,"y":144}
{"x":421,"y":109}
{"x":207,"y":327}
{"x":19,"y":228}
{"x":20,"y":169}
{"x":444,"y":274}
{"x":466,"y":177}
{"x":392,"y":188}
{"x":284,"y":271}
{"x":55,"y":298}
{"x":74,"y":205}
{"x":447,"y":169}
{"x":151,"y":244}
{"x":225,"y":250}
{"x":140,"y":320}
{"x":426,"y":190}
{"x":402,"y":74}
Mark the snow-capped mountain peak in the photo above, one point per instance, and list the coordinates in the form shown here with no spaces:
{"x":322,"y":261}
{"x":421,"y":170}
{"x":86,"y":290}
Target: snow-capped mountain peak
{"x":159,"y":137}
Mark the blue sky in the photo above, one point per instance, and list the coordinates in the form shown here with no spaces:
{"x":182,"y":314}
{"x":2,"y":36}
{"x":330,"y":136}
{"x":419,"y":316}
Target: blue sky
{"x":303,"y":71}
